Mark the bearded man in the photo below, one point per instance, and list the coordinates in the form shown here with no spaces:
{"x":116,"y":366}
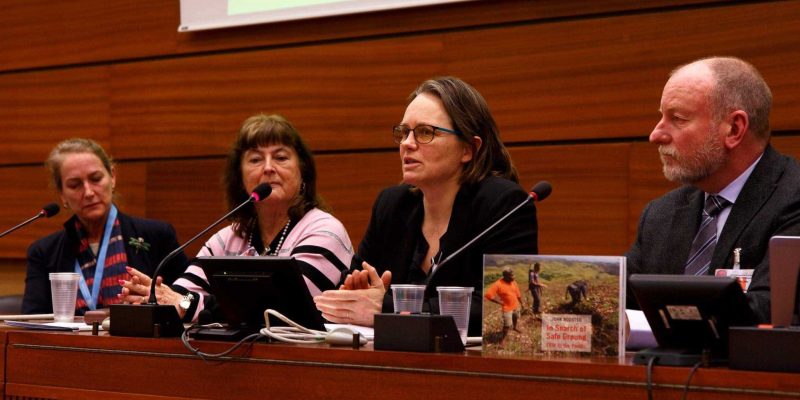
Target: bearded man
{"x":738,"y":191}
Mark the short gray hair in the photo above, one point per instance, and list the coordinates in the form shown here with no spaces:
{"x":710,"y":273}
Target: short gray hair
{"x":739,"y":86}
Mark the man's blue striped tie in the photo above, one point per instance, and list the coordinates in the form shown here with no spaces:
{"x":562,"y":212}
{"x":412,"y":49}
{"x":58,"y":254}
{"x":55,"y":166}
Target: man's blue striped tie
{"x":706,"y":239}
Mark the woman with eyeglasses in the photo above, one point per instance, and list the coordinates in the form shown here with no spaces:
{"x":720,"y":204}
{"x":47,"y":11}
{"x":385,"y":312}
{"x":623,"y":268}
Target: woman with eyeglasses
{"x":458,"y":179}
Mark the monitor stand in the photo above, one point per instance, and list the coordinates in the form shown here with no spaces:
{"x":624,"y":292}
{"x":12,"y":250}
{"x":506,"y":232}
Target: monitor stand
{"x":224,"y":334}
{"x":677,"y":357}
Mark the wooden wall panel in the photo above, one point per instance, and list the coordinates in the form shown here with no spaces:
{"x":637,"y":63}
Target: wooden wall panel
{"x":413,"y":20}
{"x":600,"y":81}
{"x":39,"y":33}
{"x":12,"y":276}
{"x":25,"y":191}
{"x":350,"y":183}
{"x":789,"y":145}
{"x":187,"y":194}
{"x":39,"y":109}
{"x":586,"y":214}
{"x":346,"y":95}
{"x":602,"y":77}
{"x":130,"y":193}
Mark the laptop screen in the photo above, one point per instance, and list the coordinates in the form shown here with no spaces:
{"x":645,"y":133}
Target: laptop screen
{"x":784,"y":265}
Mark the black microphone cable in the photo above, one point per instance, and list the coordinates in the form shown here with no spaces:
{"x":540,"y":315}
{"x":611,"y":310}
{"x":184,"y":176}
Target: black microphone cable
{"x":223,"y":356}
{"x":705,"y":361}
{"x":650,"y":364}
{"x":689,"y":378}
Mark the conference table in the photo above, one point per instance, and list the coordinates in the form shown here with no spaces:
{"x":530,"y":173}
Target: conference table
{"x":65,"y":365}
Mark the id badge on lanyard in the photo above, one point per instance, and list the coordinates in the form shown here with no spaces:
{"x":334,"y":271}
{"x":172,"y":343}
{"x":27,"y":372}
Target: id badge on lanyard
{"x":91,"y":298}
{"x":743,"y":275}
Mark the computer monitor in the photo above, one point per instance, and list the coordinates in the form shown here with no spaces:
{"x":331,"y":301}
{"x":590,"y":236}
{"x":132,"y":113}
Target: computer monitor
{"x":246,"y":286}
{"x":690,"y":315}
{"x":784,"y":265}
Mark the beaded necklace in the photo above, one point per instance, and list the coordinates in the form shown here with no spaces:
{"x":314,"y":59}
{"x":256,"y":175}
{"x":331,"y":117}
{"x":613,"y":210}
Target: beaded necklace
{"x":281,"y":238}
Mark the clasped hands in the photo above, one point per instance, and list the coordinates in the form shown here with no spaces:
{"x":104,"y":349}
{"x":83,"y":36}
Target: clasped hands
{"x":137,"y":290}
{"x":358,"y":299}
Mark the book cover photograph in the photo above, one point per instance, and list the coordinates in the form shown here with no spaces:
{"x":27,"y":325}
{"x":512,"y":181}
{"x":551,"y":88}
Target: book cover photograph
{"x":553,"y":305}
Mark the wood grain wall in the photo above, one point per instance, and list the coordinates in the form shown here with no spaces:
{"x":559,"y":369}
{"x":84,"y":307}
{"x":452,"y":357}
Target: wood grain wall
{"x":573,"y":84}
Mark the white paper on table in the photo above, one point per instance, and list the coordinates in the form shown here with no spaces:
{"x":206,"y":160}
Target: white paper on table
{"x":51,"y":326}
{"x":25,"y":317}
{"x":639,"y":334}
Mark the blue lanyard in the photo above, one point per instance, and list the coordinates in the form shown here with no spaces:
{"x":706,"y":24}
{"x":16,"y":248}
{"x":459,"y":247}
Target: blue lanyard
{"x":91,"y":299}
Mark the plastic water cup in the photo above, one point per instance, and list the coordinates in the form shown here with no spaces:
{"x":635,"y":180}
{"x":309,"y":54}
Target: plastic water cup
{"x":408,"y":298}
{"x":64,"y":287}
{"x":456,"y":301}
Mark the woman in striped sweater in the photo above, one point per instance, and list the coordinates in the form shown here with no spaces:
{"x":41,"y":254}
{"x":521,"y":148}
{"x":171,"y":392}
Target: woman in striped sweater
{"x":290,"y":222}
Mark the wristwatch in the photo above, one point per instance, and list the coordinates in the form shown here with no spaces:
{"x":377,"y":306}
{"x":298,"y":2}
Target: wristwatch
{"x":186,"y":301}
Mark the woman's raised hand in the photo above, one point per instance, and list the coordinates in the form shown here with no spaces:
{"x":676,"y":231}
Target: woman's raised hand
{"x":361,"y":279}
{"x":358,"y":300}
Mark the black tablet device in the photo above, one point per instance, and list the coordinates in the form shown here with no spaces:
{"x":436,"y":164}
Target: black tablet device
{"x":689,"y":316}
{"x":246,"y":286}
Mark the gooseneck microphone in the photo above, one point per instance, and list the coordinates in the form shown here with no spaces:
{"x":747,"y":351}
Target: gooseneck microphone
{"x":539,"y":192}
{"x":261,"y":192}
{"x":152,"y":319}
{"x":46,"y":211}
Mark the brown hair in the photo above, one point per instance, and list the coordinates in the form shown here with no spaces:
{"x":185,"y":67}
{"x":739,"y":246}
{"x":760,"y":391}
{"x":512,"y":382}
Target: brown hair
{"x":74,"y":146}
{"x":470,"y":115}
{"x":265,"y":130}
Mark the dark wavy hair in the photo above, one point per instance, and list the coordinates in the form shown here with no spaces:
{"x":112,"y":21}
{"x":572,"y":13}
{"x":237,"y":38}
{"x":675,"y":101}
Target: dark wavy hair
{"x":266,"y":130}
{"x":470,"y":115}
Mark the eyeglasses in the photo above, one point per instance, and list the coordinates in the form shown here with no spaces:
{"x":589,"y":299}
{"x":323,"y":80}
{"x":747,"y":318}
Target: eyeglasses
{"x":422,"y":133}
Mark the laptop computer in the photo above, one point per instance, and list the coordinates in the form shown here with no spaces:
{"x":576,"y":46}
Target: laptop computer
{"x":784,"y":260}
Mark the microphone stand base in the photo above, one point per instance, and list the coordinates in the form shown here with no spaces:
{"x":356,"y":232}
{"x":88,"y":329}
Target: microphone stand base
{"x":417,"y":332}
{"x":221,"y":334}
{"x":145,"y":320}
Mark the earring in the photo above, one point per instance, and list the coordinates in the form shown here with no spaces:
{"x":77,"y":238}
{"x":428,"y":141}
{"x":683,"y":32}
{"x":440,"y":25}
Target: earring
{"x":302,"y":187}
{"x":66,"y":206}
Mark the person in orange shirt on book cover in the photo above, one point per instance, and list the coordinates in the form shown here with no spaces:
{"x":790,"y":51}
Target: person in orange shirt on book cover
{"x":506,"y":293}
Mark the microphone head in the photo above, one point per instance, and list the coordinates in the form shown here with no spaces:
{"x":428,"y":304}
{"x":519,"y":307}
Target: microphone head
{"x":50,"y":210}
{"x":261,"y":192}
{"x":541,"y":190}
